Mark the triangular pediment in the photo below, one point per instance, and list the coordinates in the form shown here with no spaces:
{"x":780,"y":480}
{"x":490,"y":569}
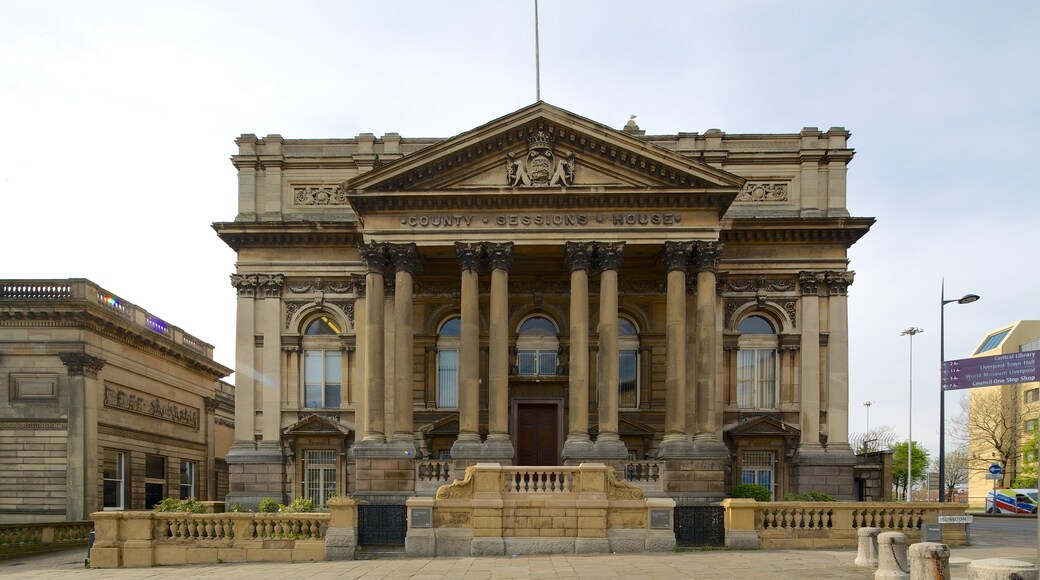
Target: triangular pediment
{"x":316,"y":425}
{"x":763,"y":426}
{"x":447,"y":426}
{"x":542,"y":148}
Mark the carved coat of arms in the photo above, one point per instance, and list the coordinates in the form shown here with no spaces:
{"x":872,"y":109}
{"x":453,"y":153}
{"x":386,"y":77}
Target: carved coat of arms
{"x":541,"y":167}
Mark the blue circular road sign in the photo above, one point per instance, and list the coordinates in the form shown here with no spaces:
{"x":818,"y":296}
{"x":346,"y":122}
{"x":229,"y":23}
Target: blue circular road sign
{"x":995,"y":469}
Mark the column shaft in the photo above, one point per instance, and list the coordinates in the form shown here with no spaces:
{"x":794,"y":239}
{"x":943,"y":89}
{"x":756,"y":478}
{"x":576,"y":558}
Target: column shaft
{"x":245,"y":364}
{"x":578,"y":396}
{"x":838,"y":360}
{"x":469,"y":356}
{"x":810,"y":361}
{"x":609,"y":257}
{"x":404,"y":357}
{"x":272,"y":362}
{"x":675,"y":357}
{"x":706,"y":377}
{"x":498,"y":357}
{"x":374,"y":370}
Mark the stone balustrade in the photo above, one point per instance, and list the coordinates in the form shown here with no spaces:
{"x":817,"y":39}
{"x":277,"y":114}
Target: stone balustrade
{"x":135,"y":539}
{"x":31,"y":538}
{"x":430,"y":474}
{"x":78,"y":290}
{"x":832,"y":524}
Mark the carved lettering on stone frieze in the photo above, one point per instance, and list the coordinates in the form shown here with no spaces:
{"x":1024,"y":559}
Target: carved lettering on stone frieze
{"x":541,"y":167}
{"x":319,"y":195}
{"x":143,"y":404}
{"x":762,"y":191}
{"x":438,"y":288}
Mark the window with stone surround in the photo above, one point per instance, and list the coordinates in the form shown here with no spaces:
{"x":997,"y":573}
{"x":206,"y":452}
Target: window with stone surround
{"x":757,"y":364}
{"x":628,"y":364}
{"x":319,"y":476}
{"x":322,"y":364}
{"x":448,"y":363}
{"x":756,"y":467}
{"x":188,"y":480}
{"x":154,"y":480}
{"x":113,"y":480}
{"x":537,"y":345}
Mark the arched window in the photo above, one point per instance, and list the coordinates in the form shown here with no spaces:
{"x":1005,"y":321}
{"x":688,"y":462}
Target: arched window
{"x":448,"y":363}
{"x":536,"y":346}
{"x":757,"y":364}
{"x":628,"y":365}
{"x":322,"y":364}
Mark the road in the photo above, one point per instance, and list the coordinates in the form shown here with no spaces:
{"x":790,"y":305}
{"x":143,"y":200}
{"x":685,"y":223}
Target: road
{"x":1008,"y":531}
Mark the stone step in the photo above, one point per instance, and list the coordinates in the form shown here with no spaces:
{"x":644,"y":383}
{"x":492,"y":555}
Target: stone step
{"x":379,"y":553}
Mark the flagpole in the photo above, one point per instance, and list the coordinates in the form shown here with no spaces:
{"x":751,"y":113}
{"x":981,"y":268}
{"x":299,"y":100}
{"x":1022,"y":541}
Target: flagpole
{"x":537,"y":66}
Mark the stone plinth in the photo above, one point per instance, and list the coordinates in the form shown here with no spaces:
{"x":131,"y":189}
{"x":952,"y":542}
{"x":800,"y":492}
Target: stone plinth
{"x":255,"y":474}
{"x":892,"y":557}
{"x":929,"y":561}
{"x":828,"y":471}
{"x":867,"y":555}
{"x":1002,"y":569}
{"x":695,"y":481}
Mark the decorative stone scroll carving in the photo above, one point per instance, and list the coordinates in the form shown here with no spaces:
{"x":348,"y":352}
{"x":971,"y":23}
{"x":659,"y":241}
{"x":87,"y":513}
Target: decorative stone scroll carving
{"x":468,"y":255}
{"x":756,"y":191}
{"x":609,"y":255}
{"x":838,"y":282}
{"x":618,"y":488}
{"x":706,"y":256}
{"x":629,"y":287}
{"x":81,"y":364}
{"x":245,"y":284}
{"x":319,"y":195}
{"x":143,"y":404}
{"x":760,"y":283}
{"x":348,"y":309}
{"x":291,"y":308}
{"x":541,"y":167}
{"x":790,"y":307}
{"x":810,"y":282}
{"x":320,"y":285}
{"x":500,"y":256}
{"x":677,"y":255}
{"x":458,"y":489}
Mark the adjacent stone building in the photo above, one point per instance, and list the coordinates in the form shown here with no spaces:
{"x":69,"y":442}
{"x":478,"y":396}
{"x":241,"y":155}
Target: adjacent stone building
{"x":542,"y":290}
{"x":108,"y":407}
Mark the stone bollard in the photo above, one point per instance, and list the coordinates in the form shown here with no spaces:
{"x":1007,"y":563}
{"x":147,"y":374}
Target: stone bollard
{"x":1002,"y":569}
{"x":929,"y":561}
{"x":892,"y":561}
{"x":867,"y":555}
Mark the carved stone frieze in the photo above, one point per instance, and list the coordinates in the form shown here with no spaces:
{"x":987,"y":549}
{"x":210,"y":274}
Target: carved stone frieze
{"x":628,"y":287}
{"x":145,"y":404}
{"x":838,"y":281}
{"x":357,"y":283}
{"x":762,"y":191}
{"x":706,"y":256}
{"x":541,"y":167}
{"x":291,"y":308}
{"x":319,"y":195}
{"x":721,"y":282}
{"x":81,"y":364}
{"x":810,"y":282}
{"x":609,"y":255}
{"x":348,"y":309}
{"x":320,"y":285}
{"x":439,"y":288}
{"x":761,"y":282}
{"x":500,"y":256}
{"x":676,"y":255}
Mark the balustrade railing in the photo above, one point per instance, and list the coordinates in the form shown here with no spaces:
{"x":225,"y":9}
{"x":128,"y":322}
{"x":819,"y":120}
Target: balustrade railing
{"x":433,"y":471}
{"x":42,"y":290}
{"x":234,"y":526}
{"x":538,"y":480}
{"x":795,"y":517}
{"x":28,"y":538}
{"x":646,"y":471}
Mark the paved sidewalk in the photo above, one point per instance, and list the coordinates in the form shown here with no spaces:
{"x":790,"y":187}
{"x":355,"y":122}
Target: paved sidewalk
{"x":757,"y":564}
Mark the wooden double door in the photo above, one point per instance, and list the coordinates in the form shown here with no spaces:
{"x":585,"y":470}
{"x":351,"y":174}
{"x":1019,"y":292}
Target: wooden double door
{"x":537,"y":431}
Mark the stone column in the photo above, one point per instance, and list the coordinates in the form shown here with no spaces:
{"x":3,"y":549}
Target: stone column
{"x":810,"y":360}
{"x":838,"y":360}
{"x":374,"y":257}
{"x":705,"y":261}
{"x":608,"y":257}
{"x":209,"y":426}
{"x":81,"y":475}
{"x":389,"y":352}
{"x":500,"y":258}
{"x":468,"y":256}
{"x":360,"y":355}
{"x":245,"y":363}
{"x":269,"y":287}
{"x":578,"y":258}
{"x":676,"y":257}
{"x":406,"y":264}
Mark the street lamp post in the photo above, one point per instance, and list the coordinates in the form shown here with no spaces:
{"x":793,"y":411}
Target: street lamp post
{"x":966,"y":299}
{"x":910,"y":425}
{"x":867,"y":404}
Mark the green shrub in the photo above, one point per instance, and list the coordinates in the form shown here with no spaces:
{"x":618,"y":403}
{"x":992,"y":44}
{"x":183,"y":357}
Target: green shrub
{"x":267,"y":505}
{"x":237,"y":507}
{"x":752,"y":491}
{"x":809,"y":496}
{"x":180,"y":505}
{"x":298,"y":505}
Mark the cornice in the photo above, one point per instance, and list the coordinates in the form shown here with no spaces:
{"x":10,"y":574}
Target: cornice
{"x":800,"y":230}
{"x":238,"y":235}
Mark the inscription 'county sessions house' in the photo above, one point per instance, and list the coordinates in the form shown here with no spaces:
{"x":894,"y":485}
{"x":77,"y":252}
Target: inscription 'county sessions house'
{"x":544,"y":220}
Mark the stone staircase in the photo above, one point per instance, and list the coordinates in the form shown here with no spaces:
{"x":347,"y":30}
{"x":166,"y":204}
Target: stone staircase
{"x":379,"y":552}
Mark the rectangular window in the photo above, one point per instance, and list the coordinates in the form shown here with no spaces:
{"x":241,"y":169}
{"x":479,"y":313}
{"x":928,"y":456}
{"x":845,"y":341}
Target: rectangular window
{"x":114,"y":480}
{"x":1031,"y":425}
{"x":448,"y":378}
{"x":154,"y":480}
{"x":322,"y":378}
{"x":536,"y":362}
{"x":756,"y":379}
{"x":993,"y":341}
{"x":628,"y":379}
{"x":319,"y":481}
{"x":1032,"y":395}
{"x":757,"y":468}
{"x":187,"y":480}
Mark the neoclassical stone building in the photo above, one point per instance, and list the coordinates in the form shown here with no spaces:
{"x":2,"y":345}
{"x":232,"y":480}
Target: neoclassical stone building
{"x":542,"y":290}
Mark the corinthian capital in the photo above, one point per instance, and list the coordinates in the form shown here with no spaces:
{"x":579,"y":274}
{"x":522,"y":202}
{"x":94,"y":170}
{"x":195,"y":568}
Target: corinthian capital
{"x":810,"y":282}
{"x":500,"y":256}
{"x":838,"y":281}
{"x":270,"y":285}
{"x":245,"y":284}
{"x":609,"y":255}
{"x":81,"y":364}
{"x":468,"y":255}
{"x":676,"y":255}
{"x":578,"y":255}
{"x":706,"y":256}
{"x":405,"y":257}
{"x":374,"y":256}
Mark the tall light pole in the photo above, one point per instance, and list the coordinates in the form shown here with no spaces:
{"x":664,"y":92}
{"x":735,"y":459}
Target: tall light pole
{"x":966,"y":299}
{"x":910,"y":424}
{"x":867,"y":404}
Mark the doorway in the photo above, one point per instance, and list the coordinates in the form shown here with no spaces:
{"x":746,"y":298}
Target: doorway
{"x":537,"y":431}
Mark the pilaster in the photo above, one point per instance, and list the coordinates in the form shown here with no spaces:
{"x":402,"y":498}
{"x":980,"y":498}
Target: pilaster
{"x":81,"y":476}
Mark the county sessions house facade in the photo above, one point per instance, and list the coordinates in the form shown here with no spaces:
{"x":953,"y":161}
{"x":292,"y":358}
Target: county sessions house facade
{"x":542,"y":290}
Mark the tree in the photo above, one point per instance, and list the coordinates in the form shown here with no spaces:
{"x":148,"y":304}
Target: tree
{"x":1027,"y":468}
{"x":956,"y":469}
{"x":917,"y":469}
{"x":989,"y":425}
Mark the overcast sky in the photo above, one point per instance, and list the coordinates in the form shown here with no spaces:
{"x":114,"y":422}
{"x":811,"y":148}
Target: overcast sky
{"x":118,"y":119}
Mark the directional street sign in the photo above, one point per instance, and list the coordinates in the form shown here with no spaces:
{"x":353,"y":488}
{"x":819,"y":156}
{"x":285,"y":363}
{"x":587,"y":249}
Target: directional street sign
{"x":995,"y":469}
{"x":986,"y":371}
{"x":994,"y":476}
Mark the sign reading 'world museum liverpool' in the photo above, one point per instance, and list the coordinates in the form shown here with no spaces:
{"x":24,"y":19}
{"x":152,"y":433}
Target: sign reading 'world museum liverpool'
{"x":986,"y":371}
